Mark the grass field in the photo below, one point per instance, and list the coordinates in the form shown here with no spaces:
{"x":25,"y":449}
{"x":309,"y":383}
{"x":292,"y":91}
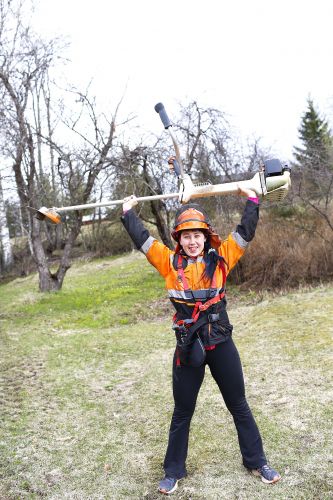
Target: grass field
{"x":85,"y":390}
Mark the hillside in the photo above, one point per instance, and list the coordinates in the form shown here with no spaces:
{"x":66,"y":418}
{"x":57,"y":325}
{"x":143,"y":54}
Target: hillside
{"x":85,"y":390}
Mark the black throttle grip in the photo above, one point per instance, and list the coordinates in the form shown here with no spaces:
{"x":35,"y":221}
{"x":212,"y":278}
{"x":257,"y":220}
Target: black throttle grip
{"x":160,"y":109}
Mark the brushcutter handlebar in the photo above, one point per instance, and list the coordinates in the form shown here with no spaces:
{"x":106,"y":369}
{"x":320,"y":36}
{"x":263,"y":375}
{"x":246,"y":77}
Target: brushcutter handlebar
{"x":160,"y":109}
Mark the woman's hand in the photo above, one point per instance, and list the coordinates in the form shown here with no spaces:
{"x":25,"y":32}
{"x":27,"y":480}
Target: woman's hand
{"x":171,"y":165}
{"x":243,"y":191}
{"x":129,"y":203}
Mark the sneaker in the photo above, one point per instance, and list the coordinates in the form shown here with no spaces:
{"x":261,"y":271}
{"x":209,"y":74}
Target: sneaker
{"x":267,"y":474}
{"x":168,"y":485}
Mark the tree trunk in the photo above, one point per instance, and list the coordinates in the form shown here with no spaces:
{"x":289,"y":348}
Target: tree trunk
{"x":5,"y":245}
{"x":52,"y":282}
{"x":65,"y":260}
{"x":47,"y":281}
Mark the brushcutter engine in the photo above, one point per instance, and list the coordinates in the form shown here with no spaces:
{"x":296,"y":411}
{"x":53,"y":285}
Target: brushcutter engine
{"x":270,"y":183}
{"x":274,"y":172}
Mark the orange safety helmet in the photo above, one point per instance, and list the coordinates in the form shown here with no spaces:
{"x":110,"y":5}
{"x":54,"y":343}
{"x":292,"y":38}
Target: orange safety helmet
{"x":192,"y":216}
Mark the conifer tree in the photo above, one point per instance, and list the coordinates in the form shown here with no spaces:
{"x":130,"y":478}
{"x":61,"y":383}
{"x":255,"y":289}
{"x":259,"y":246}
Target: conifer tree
{"x":313,"y":172}
{"x":316,"y":138}
{"x":314,"y":160}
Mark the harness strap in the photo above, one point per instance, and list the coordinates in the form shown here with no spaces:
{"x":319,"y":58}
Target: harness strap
{"x":199,"y":306}
{"x":224,"y":273}
{"x":181,"y":273}
{"x":177,"y":358}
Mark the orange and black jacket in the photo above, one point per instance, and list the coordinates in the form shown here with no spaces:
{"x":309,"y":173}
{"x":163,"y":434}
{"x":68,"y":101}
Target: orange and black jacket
{"x":214,"y":323}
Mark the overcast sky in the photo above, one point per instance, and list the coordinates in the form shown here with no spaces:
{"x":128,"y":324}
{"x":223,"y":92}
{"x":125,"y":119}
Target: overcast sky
{"x":257,"y":60}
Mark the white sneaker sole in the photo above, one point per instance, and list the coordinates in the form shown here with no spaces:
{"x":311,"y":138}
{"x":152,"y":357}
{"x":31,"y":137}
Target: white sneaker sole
{"x":266,"y":481}
{"x":164,"y":492}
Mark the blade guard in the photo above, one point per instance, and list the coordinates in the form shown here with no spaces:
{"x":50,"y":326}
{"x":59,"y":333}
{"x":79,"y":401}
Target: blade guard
{"x":48,"y":214}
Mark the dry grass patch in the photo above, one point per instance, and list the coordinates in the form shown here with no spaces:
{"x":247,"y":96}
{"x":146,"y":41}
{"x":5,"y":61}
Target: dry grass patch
{"x":86,"y":411}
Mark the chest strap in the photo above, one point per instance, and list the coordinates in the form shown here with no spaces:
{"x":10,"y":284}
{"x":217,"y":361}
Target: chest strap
{"x":199,"y":306}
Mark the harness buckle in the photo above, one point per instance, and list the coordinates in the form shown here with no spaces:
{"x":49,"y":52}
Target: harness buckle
{"x":212,"y":318}
{"x":182,"y":325}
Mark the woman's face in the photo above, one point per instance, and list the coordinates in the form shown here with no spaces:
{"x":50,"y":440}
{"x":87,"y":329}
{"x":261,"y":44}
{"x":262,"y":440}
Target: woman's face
{"x":192,"y":241}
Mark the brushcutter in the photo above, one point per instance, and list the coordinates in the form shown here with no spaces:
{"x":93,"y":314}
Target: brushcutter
{"x":271,"y":183}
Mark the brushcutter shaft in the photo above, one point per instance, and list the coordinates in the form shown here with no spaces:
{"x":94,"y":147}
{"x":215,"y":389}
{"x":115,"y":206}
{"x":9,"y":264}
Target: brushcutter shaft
{"x":273,"y":188}
{"x":191,"y":191}
{"x":216,"y":189}
{"x":115,"y":202}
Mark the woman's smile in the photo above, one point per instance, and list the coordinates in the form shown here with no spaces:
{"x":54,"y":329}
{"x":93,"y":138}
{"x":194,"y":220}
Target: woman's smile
{"x":192,"y":241}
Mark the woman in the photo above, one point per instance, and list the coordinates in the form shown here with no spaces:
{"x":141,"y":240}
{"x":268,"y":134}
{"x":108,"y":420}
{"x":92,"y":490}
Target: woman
{"x":195,"y":275}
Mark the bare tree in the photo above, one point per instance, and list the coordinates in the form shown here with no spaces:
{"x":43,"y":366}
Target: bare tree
{"x":143,"y":170}
{"x":24,"y":66}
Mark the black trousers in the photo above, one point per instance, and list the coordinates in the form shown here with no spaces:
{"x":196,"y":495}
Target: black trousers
{"x":226,"y":369}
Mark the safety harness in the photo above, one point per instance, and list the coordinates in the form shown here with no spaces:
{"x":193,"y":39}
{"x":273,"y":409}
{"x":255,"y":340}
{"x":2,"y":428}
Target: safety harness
{"x":184,"y":327}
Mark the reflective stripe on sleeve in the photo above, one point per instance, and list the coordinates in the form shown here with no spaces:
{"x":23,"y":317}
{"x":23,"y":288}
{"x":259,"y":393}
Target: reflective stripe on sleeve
{"x":147,"y":244}
{"x":239,"y":240}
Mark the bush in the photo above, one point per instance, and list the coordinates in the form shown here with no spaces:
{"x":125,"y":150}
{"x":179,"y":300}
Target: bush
{"x":105,"y":239}
{"x":283,"y":256}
